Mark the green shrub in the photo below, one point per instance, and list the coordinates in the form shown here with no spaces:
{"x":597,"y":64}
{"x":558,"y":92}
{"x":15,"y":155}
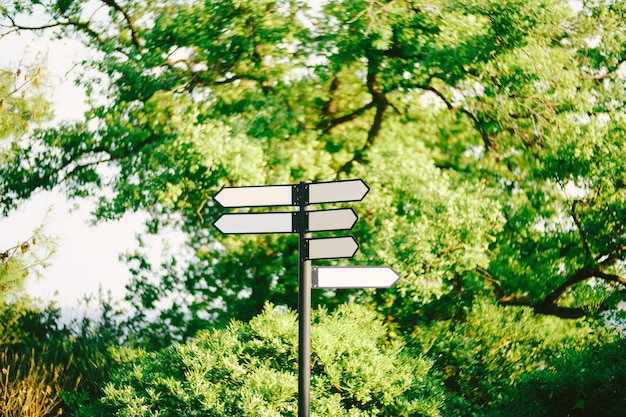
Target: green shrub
{"x":591,"y":382}
{"x":250,"y":369}
{"x":51,"y":366}
{"x":492,"y":347}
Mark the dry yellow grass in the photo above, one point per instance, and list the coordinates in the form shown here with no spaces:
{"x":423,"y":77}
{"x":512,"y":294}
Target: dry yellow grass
{"x":29,"y":388}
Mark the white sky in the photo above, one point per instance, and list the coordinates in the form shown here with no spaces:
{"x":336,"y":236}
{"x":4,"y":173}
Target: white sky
{"x":87,"y":257}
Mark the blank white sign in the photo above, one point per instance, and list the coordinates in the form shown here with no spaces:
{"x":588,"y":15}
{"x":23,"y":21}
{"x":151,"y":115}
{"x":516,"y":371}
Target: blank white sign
{"x":257,"y":196}
{"x":353,"y":277}
{"x":337,"y":191}
{"x":244,"y":223}
{"x":332,"y":247}
{"x":327,"y":220}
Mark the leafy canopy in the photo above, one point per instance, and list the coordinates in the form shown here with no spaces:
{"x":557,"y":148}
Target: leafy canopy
{"x":490,"y":133}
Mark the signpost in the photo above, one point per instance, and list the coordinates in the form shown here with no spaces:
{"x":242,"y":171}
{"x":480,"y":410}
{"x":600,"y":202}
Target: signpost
{"x":337,"y":191}
{"x":328,"y":220}
{"x":305,"y":221}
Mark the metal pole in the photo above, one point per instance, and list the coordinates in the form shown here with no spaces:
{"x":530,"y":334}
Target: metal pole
{"x":304,"y":304}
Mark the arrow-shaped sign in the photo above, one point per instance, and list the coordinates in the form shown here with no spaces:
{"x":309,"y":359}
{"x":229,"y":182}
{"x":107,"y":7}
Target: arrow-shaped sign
{"x":327,"y":220}
{"x":242,"y":223}
{"x":255,"y":196}
{"x":337,"y":191}
{"x":353,"y":277}
{"x":332,"y":247}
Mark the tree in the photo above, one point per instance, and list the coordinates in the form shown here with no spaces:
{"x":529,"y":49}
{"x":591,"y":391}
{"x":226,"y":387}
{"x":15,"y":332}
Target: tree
{"x":489,"y":131}
{"x":23,"y":104}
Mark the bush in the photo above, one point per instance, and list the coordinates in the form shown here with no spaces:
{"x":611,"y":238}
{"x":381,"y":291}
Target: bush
{"x":590,"y":382}
{"x":49,"y":366}
{"x":493,"y":347}
{"x":250,"y":369}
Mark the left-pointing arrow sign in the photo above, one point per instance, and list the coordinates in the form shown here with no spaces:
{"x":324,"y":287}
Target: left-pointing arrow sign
{"x":257,"y":196}
{"x":243,"y":223}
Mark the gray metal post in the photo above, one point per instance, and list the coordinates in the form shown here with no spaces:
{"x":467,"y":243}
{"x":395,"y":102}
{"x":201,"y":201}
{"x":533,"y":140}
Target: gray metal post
{"x":304,"y":304}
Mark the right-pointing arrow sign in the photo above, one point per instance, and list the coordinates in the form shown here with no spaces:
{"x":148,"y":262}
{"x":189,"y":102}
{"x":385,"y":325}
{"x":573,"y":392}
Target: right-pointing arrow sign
{"x":337,"y":191}
{"x":332,"y":247}
{"x":353,"y":277}
{"x":327,"y":220}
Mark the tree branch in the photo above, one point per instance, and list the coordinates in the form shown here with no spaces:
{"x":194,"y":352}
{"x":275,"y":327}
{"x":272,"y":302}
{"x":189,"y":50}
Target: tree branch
{"x":379,"y":99}
{"x":83,"y":26}
{"x":131,"y":25}
{"x":611,"y":278}
{"x":64,"y":170}
{"x":582,"y":274}
{"x":559,"y":311}
{"x":544,"y":308}
{"x":608,"y":74}
{"x":332,"y":105}
{"x":489,"y":144}
{"x":328,"y":125}
{"x":549,"y":305}
{"x":27,"y":80}
{"x":581,"y":230}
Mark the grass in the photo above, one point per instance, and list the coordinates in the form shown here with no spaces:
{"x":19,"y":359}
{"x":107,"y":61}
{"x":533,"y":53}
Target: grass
{"x":29,"y":387}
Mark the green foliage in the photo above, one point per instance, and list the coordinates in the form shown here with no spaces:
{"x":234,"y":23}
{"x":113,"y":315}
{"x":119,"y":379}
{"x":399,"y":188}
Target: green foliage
{"x":23,"y":102}
{"x":491,"y":350}
{"x":25,"y":326}
{"x":275,"y":92}
{"x":472,"y":122}
{"x":425,"y":223}
{"x":17,"y":262}
{"x":250,"y":369}
{"x":52,"y":363}
{"x":490,"y":133}
{"x":578,"y":383}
